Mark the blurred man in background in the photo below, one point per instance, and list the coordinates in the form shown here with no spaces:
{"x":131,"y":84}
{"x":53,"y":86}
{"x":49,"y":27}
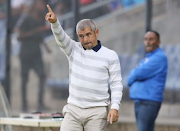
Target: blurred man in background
{"x":31,"y":37}
{"x":147,"y":83}
{"x":90,"y":67}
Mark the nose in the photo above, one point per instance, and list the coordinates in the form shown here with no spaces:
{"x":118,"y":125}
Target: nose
{"x":85,"y":38}
{"x":146,"y":42}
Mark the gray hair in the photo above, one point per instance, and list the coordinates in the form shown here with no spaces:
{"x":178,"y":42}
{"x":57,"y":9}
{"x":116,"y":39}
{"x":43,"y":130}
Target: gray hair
{"x":85,"y":23}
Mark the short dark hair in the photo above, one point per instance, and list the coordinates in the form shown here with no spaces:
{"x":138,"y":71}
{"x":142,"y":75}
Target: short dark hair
{"x":156,"y":33}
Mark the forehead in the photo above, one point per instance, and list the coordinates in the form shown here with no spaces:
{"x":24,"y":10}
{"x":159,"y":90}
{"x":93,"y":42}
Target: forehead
{"x":85,"y":30}
{"x":150,"y":34}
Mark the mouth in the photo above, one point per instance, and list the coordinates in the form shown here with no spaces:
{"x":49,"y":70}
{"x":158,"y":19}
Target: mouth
{"x":148,"y":46}
{"x":87,"y":43}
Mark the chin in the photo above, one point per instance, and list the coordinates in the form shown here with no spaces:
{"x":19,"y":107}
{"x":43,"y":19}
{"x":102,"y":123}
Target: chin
{"x":148,"y":50}
{"x":88,"y":48}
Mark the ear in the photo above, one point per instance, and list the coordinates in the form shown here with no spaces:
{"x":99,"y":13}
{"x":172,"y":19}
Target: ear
{"x":77,"y":34}
{"x":96,"y":32}
{"x":159,"y":42}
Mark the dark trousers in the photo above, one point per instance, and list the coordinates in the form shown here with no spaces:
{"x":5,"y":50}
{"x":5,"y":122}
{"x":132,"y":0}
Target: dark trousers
{"x":146,"y":113}
{"x":37,"y":65}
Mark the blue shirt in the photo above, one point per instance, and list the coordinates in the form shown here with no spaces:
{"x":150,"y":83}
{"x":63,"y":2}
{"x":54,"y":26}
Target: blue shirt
{"x":147,"y":81}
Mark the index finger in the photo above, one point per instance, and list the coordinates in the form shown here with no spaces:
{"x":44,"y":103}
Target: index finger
{"x":111,"y":119}
{"x":49,"y":8}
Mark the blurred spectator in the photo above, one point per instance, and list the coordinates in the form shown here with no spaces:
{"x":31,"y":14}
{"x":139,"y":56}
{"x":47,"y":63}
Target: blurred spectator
{"x":147,"y":82}
{"x":115,"y":5}
{"x":31,"y":37}
{"x":128,"y":3}
{"x":16,"y":10}
{"x":86,"y":2}
{"x":16,"y":45}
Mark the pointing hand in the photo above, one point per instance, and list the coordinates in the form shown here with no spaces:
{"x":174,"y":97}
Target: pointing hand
{"x":50,"y":16}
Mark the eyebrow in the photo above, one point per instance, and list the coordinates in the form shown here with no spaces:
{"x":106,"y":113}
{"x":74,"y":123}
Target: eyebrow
{"x":85,"y":33}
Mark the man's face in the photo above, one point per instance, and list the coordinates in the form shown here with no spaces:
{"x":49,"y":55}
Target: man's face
{"x":151,"y":41}
{"x":88,"y":38}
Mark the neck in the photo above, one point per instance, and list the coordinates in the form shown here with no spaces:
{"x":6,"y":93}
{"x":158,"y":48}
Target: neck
{"x":96,"y":44}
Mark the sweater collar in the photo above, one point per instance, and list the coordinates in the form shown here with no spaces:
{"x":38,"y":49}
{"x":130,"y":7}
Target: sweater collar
{"x":97,"y":47}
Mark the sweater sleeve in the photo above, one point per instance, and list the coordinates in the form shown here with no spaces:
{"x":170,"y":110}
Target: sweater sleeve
{"x":63,"y":40}
{"x":115,"y":82}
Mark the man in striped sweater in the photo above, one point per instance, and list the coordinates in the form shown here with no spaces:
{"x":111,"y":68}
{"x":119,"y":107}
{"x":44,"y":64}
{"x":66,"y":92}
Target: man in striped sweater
{"x":90,"y":67}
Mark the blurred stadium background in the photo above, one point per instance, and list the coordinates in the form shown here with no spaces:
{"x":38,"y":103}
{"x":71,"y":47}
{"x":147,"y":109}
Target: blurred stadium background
{"x":122,"y":27}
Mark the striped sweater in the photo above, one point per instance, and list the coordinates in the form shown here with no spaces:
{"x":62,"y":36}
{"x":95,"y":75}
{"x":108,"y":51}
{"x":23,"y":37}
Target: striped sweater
{"x":89,"y":73}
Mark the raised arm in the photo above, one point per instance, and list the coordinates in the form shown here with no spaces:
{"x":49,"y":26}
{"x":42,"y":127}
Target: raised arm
{"x":63,"y":40}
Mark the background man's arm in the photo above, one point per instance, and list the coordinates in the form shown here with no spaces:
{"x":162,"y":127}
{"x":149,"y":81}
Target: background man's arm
{"x":26,"y":34}
{"x":148,"y":69}
{"x":131,"y":78}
